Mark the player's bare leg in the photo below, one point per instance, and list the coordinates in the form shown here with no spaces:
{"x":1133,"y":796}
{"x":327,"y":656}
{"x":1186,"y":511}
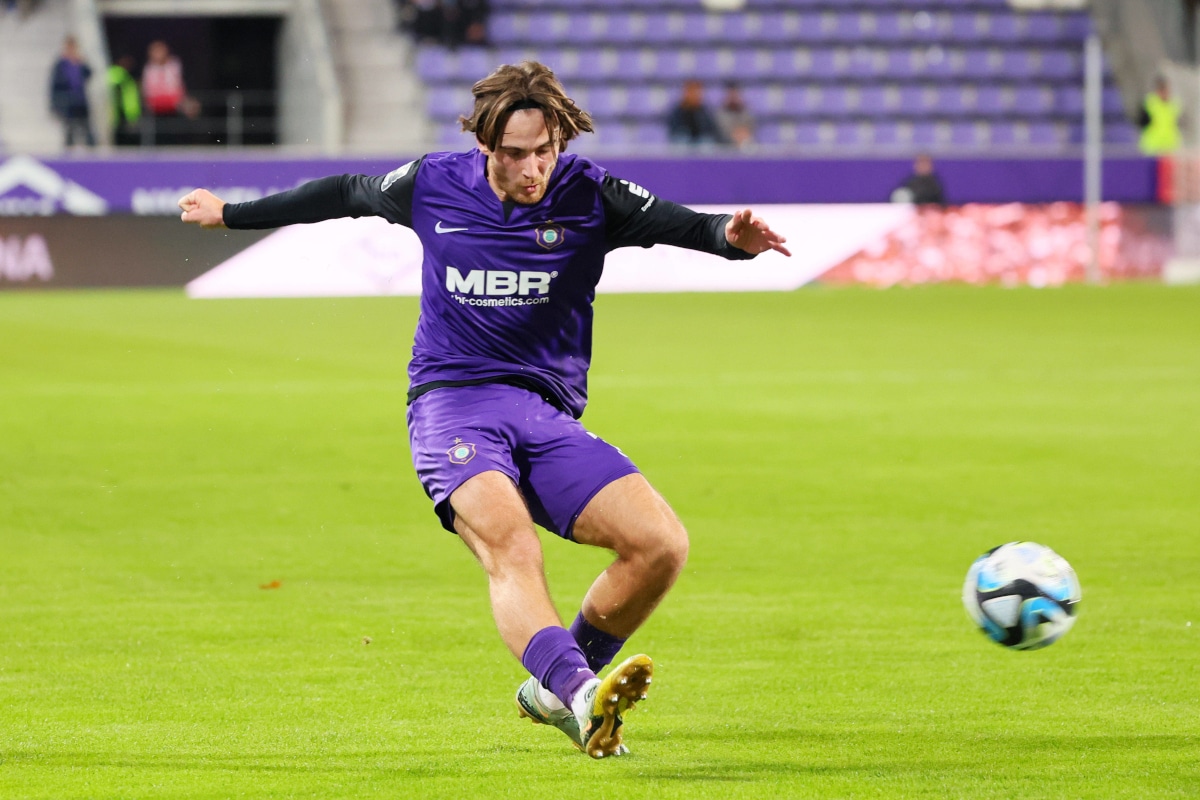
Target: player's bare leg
{"x":628,"y":517}
{"x":633,"y":520}
{"x":492,"y":520}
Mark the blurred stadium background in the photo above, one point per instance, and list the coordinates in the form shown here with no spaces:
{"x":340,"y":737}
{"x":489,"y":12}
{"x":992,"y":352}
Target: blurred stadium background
{"x":843,"y":96}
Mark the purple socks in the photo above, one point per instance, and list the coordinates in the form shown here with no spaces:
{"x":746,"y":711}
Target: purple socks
{"x":599,"y":647}
{"x":553,"y":657}
{"x":564,"y":660}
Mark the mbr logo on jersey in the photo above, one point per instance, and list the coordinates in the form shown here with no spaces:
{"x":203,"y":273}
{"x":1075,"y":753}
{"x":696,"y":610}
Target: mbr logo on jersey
{"x":498,"y":282}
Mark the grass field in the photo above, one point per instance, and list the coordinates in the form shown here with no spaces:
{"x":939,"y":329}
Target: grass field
{"x":839,"y":456}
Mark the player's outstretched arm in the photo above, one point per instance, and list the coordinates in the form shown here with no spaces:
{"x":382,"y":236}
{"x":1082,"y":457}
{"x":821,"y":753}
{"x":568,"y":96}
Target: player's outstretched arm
{"x":203,"y":208}
{"x":752,"y":234}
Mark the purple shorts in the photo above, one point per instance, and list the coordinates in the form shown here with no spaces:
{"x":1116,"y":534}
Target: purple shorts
{"x":457,"y":432}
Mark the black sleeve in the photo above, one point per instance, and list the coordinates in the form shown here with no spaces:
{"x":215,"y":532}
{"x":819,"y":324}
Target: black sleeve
{"x":634,"y":217}
{"x":389,"y":196}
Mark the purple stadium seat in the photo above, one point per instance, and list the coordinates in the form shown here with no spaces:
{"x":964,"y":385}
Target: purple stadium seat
{"x":787,"y":63}
{"x":699,"y":29}
{"x":847,"y":26}
{"x":981,"y":64}
{"x":789,"y":27}
{"x":445,"y":103}
{"x":1044,"y":27}
{"x":735,"y":27}
{"x":606,"y":100}
{"x":834,"y":101}
{"x":1006,"y":28}
{"x":751,"y":64}
{"x":952,"y":101}
{"x":901,"y":64}
{"x":603,"y":63}
{"x":863,"y":63}
{"x":648,"y":101}
{"x":937,"y":62}
{"x":472,"y":63}
{"x":452,"y":136}
{"x":761,"y":100}
{"x":1046,"y":133}
{"x":1005,"y":133}
{"x":677,"y":65}
{"x":548,"y":27}
{"x":825,"y":64}
{"x":913,"y":99}
{"x":889,"y":28}
{"x":661,"y":27}
{"x":991,"y":101}
{"x":799,"y":100}
{"x":1059,"y":65}
{"x":1120,"y":133}
{"x":889,"y":133}
{"x":715,"y":65}
{"x":506,"y":28}
{"x":876,"y":101}
{"x":1112,"y":102}
{"x":651,"y":132}
{"x":613,"y":134}
{"x":965,"y":134}
{"x":812,"y":134}
{"x":1032,"y":101}
{"x":926,"y":133}
{"x":433,"y":64}
{"x":770,"y":133}
{"x":1076,"y":27}
{"x":1017,"y":64}
{"x":849,"y":134}
{"x":965,"y":28}
{"x":625,"y":26}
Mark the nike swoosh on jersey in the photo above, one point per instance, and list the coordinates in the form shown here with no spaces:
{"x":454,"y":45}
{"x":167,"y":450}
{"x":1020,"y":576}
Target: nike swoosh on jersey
{"x":439,"y":228}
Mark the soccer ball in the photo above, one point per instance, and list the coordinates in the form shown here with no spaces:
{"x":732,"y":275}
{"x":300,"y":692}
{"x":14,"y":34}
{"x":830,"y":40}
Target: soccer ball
{"x":1022,"y":595}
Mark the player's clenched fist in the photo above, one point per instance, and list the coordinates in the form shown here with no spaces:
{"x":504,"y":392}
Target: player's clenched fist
{"x":203,"y":208}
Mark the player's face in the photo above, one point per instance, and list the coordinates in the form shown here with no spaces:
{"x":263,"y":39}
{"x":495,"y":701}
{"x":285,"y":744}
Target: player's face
{"x":519,"y":168}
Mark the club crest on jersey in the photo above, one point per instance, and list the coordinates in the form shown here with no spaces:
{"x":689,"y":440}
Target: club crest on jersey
{"x":461,"y":453}
{"x":550,"y":236}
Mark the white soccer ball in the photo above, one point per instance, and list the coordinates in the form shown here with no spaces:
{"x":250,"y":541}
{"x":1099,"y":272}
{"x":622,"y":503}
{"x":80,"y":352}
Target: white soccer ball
{"x":1022,"y":595}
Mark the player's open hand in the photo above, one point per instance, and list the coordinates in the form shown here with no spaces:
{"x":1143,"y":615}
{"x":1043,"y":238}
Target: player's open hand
{"x":203,"y":208}
{"x":750,"y":233}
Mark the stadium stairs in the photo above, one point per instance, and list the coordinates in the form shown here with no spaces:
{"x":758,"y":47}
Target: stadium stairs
{"x":384,"y":101}
{"x":29,"y":46}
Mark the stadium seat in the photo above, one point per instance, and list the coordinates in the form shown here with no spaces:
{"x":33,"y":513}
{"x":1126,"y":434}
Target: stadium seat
{"x":991,"y":100}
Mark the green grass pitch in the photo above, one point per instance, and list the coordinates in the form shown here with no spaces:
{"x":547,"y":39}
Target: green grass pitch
{"x":839,"y":457}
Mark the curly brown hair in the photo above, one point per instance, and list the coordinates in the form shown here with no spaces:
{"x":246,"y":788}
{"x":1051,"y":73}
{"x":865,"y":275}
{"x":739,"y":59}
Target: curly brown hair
{"x":517,"y":86}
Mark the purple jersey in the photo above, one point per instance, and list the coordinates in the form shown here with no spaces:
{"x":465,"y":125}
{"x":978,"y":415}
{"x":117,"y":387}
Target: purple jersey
{"x":506,"y":288}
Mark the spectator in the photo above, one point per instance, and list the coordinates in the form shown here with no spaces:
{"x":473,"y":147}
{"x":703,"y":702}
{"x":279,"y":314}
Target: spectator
{"x":1160,"y":121}
{"x":162,"y":81}
{"x":690,"y":121}
{"x":446,"y":22}
{"x":734,"y":119}
{"x":68,"y":94}
{"x":125,"y":102}
{"x":923,"y":186}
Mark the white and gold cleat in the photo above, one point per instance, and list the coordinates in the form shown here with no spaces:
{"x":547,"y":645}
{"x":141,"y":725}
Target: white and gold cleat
{"x":604,"y":703}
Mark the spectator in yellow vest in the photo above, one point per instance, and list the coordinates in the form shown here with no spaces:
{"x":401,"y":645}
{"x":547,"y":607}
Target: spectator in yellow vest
{"x":125,"y":102}
{"x":1160,"y":121}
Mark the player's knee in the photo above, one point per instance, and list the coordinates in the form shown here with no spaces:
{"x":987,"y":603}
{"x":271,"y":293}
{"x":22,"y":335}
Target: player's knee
{"x":666,"y":550}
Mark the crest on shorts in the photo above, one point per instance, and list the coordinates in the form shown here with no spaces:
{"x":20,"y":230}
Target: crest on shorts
{"x":550,"y":236}
{"x":461,"y":453}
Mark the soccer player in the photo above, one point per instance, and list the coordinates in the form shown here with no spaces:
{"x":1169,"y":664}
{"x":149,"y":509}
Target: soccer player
{"x":515,"y":234}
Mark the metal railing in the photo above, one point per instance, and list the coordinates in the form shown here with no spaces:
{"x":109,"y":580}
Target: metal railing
{"x":231,"y":118}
